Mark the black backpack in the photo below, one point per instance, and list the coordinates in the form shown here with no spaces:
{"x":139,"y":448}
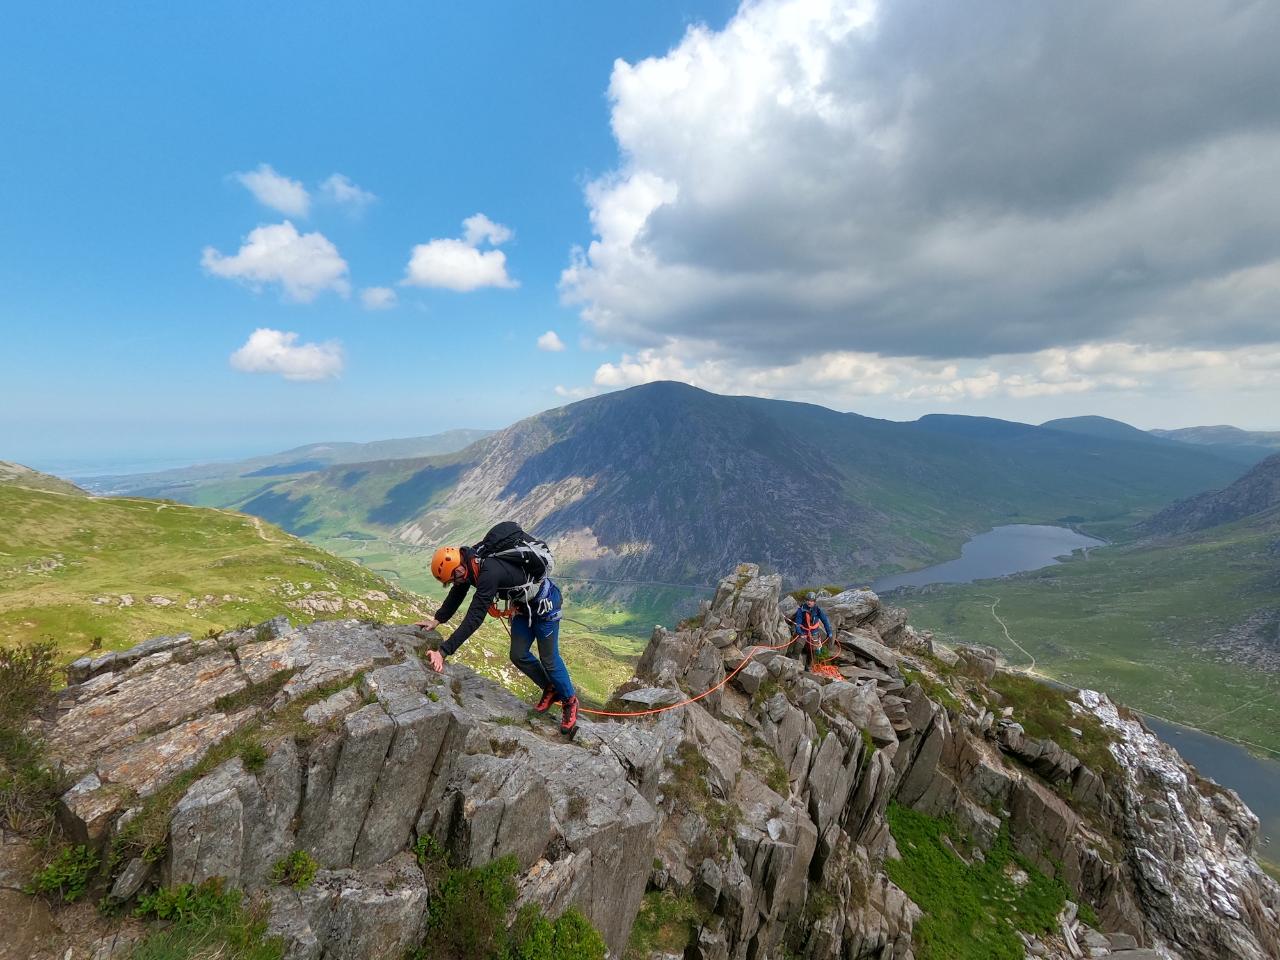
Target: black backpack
{"x":508,"y":541}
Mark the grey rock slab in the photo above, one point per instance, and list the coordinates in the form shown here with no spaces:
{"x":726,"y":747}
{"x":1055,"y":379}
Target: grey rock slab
{"x":396,"y":680}
{"x":864,"y":644}
{"x":718,"y":745}
{"x":206,"y":834}
{"x":851,"y":608}
{"x":749,"y":678}
{"x":270,"y":802}
{"x":137,"y":706}
{"x":638,"y":750}
{"x":497,"y":806}
{"x":131,"y":879}
{"x":151,"y":764}
{"x":421,"y":729}
{"x":86,"y":810}
{"x":651,"y":697}
{"x":860,"y":703}
{"x":287,"y":919}
{"x":333,"y":707}
{"x":361,"y":915}
{"x":366,"y":738}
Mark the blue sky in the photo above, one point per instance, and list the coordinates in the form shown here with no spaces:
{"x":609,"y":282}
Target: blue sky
{"x":125,"y":124}
{"x":872,"y":206}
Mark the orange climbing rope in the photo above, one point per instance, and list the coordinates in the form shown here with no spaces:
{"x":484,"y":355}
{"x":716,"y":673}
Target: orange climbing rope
{"x":757,"y":648}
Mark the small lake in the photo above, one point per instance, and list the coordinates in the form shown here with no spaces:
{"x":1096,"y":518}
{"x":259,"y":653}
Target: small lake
{"x":1255,"y":779}
{"x":997,"y":553}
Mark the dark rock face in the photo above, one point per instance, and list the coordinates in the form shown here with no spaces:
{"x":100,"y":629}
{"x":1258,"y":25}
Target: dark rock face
{"x":756,"y":803}
{"x":1256,"y":492}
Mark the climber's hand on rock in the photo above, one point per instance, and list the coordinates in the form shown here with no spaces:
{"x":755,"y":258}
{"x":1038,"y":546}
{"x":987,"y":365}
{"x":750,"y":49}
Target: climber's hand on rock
{"x":428,"y":624}
{"x":435,"y":661}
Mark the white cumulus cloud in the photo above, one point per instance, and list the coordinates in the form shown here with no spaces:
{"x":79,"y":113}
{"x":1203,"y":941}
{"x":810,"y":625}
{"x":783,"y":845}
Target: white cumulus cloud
{"x":550,"y":341}
{"x":305,"y":265}
{"x":275,"y":190}
{"x":460,"y":264}
{"x":913,"y":179}
{"x":378,"y":298}
{"x":275,"y":351}
{"x":847,"y":379}
{"x":339,"y":189}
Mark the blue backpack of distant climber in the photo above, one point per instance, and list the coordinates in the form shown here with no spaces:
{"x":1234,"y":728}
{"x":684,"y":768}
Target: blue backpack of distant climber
{"x":508,"y":541}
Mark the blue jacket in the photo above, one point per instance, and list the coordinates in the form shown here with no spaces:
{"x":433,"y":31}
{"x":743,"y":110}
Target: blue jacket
{"x":806,"y":618}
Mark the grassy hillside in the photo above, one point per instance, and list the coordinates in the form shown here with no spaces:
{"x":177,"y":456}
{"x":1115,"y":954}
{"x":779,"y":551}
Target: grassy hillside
{"x":112,"y":572}
{"x":107,"y":573}
{"x":1187,"y":629}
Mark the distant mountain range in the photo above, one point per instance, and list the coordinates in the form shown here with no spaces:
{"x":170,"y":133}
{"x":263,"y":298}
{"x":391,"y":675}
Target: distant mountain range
{"x":670,"y":483}
{"x":1248,"y":446}
{"x":299,"y":460}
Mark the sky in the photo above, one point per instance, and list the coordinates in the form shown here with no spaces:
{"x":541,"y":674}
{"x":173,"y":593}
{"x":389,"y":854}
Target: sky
{"x":235,"y":228}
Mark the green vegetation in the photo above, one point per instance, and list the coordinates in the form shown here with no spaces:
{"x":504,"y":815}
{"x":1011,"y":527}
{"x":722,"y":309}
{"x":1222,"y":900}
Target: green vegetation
{"x":297,"y":870}
{"x":108,"y":573}
{"x":467,"y":919}
{"x":68,"y":875}
{"x":972,"y":911}
{"x":570,"y":937}
{"x":1045,"y":714}
{"x":203,"y":923}
{"x":28,"y":787}
{"x":664,"y":924}
{"x":1142,"y":622}
{"x":690,"y":787}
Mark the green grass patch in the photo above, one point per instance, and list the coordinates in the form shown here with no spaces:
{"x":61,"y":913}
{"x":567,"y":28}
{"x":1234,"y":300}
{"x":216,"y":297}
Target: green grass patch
{"x":29,"y":788}
{"x":203,"y":923}
{"x":665,"y":924}
{"x":67,"y":563}
{"x":467,"y":919}
{"x":972,"y":911}
{"x":297,"y":870}
{"x":67,"y":875}
{"x":690,"y":788}
{"x":1045,"y":714}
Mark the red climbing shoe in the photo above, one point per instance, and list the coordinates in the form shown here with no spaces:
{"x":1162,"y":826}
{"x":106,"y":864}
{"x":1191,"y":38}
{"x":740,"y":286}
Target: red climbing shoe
{"x":569,"y":718}
{"x":548,"y":698}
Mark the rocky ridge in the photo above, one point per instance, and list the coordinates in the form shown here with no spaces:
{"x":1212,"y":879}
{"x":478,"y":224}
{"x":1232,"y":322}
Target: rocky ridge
{"x":766,"y":804}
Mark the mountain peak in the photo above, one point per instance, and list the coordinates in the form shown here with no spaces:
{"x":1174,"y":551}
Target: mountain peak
{"x":1095,"y":426}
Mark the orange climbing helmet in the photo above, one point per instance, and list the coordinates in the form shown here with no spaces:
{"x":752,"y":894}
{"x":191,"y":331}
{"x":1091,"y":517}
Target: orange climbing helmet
{"x":445,"y":564}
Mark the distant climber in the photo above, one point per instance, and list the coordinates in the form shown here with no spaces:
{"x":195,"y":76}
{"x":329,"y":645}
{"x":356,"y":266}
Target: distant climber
{"x":809,"y":620}
{"x":511,"y":566}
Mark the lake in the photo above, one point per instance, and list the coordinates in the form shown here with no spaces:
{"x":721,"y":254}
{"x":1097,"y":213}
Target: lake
{"x":1255,"y":779}
{"x":1020,"y":547}
{"x":997,"y":553}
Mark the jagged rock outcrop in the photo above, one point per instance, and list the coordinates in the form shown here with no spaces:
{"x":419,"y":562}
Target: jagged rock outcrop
{"x":763,"y":803}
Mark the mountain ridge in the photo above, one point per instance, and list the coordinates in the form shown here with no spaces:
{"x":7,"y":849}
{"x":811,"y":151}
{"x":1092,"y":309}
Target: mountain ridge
{"x":814,"y":492}
{"x":1252,"y":495}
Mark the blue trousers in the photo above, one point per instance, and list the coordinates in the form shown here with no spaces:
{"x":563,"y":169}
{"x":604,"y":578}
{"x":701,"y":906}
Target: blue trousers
{"x":547,"y":669}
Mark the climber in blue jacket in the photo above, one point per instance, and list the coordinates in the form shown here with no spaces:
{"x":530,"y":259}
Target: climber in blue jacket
{"x":808,"y":618}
